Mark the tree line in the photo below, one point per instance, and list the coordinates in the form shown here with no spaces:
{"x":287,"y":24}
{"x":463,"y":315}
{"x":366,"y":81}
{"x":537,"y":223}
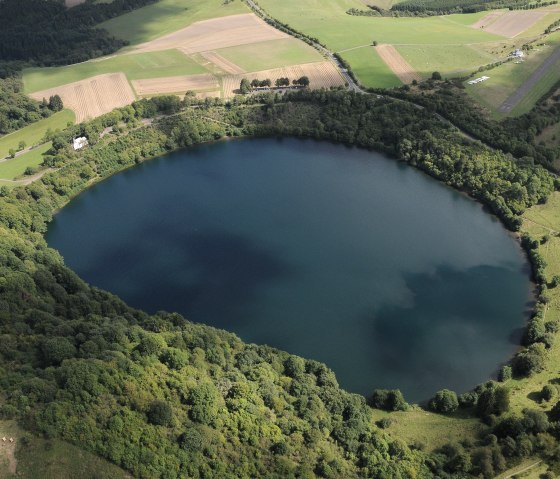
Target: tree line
{"x":247,"y":86}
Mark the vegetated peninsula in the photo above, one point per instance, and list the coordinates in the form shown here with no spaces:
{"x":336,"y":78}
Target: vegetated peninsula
{"x":91,"y":386}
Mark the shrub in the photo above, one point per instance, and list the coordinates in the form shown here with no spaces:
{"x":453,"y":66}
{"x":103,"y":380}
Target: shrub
{"x":444,"y":401}
{"x":505,"y":374}
{"x":529,"y":361}
{"x":160,"y":413}
{"x":388,"y":399}
{"x":548,"y":392}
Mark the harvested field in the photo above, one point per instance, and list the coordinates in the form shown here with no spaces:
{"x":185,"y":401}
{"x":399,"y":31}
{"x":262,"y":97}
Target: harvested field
{"x":92,"y":97}
{"x":175,"y":84}
{"x":222,"y":63}
{"x":487,"y":20}
{"x":511,"y":24}
{"x":216,"y":33}
{"x":73,"y":3}
{"x":320,"y":74}
{"x":398,"y":65}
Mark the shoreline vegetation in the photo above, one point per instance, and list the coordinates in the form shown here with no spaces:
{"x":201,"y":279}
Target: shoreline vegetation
{"x":162,"y":397}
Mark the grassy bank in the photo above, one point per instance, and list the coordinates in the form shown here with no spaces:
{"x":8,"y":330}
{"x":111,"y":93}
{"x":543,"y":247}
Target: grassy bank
{"x":35,"y":132}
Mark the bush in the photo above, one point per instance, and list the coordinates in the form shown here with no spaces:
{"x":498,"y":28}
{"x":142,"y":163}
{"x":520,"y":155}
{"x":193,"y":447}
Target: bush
{"x":548,"y":392}
{"x":160,"y":413}
{"x":505,"y":374}
{"x":191,"y":440}
{"x":388,"y":400}
{"x":444,"y":401}
{"x":529,"y":361}
{"x":384,"y":423}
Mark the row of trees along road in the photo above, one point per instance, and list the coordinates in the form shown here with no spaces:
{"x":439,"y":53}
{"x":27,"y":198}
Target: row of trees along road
{"x":247,"y":86}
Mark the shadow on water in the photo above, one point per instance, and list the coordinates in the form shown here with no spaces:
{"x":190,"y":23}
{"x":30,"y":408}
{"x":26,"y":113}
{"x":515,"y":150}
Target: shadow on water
{"x":423,"y":347}
{"x":225,"y":273}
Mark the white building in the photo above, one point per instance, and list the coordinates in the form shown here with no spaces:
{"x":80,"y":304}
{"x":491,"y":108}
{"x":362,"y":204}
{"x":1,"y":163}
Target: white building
{"x":518,"y":54}
{"x":80,"y":142}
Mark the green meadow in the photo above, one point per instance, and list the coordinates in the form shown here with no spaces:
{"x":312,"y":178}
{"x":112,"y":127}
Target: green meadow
{"x":167,"y":16}
{"x":451,"y":59}
{"x":271,"y":54}
{"x":134,"y":66}
{"x":34,"y":133}
{"x":370,"y":68}
{"x":15,"y":167}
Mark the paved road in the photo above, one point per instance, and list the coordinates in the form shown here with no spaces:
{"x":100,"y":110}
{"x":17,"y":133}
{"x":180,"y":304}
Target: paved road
{"x":515,"y":98}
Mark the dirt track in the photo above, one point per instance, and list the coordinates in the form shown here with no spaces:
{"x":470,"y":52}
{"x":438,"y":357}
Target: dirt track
{"x":320,"y":74}
{"x":511,"y":24}
{"x":92,"y":97}
{"x":180,"y":84}
{"x":217,"y":33}
{"x":398,"y":65}
{"x":553,"y":61}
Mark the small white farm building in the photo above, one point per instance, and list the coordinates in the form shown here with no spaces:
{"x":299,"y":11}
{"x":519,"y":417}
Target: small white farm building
{"x":518,"y":54}
{"x":80,"y":142}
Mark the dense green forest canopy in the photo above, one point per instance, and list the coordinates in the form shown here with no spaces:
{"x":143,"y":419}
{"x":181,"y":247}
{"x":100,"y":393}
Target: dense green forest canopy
{"x":45,"y":32}
{"x":163,"y":397}
{"x":18,"y":110}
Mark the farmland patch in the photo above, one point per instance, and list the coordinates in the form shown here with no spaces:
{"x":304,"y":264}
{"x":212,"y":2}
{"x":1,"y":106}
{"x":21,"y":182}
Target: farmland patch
{"x":398,"y":65}
{"x":216,"y":33}
{"x":513,"y":23}
{"x":179,"y":84}
{"x":92,"y":97}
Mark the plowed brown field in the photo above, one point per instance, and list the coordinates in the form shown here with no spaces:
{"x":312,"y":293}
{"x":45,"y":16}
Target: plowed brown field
{"x":398,"y":65}
{"x":320,"y":74}
{"x":487,"y":20}
{"x":511,"y":24}
{"x":180,"y":84}
{"x":216,"y":33}
{"x":92,"y":97}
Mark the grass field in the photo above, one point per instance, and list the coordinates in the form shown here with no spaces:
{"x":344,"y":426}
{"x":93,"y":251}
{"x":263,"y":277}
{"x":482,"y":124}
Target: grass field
{"x":370,"y":69}
{"x":506,"y":78}
{"x":271,"y":54}
{"x":53,"y":459}
{"x":168,"y":16}
{"x":11,"y":169}
{"x":137,"y":66}
{"x":33,"y":133}
{"x":429,"y":430}
{"x":429,"y":58}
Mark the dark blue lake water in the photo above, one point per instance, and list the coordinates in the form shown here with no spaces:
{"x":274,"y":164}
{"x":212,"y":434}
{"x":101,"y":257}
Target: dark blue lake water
{"x":331,"y":253}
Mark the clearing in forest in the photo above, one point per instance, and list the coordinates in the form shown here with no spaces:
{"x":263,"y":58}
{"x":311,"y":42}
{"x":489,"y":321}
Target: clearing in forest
{"x":92,"y":97}
{"x":398,"y":65}
{"x":320,"y":74}
{"x":513,"y":23}
{"x":180,"y":84}
{"x":216,"y":33}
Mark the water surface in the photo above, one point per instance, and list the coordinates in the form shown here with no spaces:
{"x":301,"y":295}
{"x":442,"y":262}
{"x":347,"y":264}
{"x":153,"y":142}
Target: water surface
{"x":332,"y":253}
